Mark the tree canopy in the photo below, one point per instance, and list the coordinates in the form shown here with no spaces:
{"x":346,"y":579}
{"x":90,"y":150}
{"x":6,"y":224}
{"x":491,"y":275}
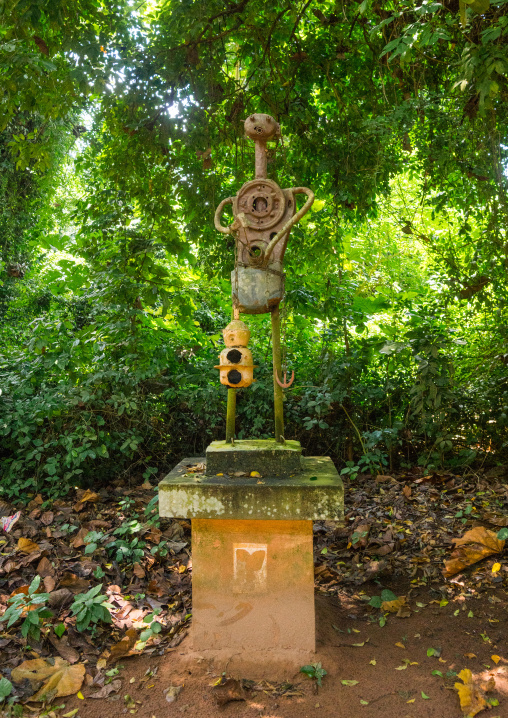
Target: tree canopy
{"x":122,"y":129}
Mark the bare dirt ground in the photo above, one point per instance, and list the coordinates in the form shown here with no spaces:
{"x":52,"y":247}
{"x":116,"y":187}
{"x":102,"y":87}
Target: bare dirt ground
{"x":385,"y":687}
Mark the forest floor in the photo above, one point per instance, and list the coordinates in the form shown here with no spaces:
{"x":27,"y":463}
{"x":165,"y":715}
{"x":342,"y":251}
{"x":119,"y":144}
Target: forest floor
{"x":394,"y":632}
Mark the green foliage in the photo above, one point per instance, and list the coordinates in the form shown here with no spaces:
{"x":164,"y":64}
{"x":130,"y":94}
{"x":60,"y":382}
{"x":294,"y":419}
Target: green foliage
{"x":350,"y":470}
{"x":5,"y":688}
{"x":386,"y":595}
{"x":90,"y":607}
{"x":395,"y":314}
{"x":153,"y":627}
{"x":32,"y":605}
{"x":315,"y":671}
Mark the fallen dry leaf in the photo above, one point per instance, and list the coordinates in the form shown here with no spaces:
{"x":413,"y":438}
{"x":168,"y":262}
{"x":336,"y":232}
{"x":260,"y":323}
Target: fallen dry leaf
{"x":47,"y":518}
{"x":476,"y":544}
{"x":79,"y":538}
{"x":74,"y":583}
{"x":230,"y":690}
{"x":45,"y":568}
{"x":59,"y":599}
{"x":123,"y":647}
{"x":105,"y":691}
{"x":171,"y":693}
{"x":67,"y":652}
{"x":407,"y":491}
{"x":471,"y":693}
{"x":154,"y":535}
{"x":60,"y":678}
{"x":27,"y":545}
{"x":49,"y":583}
{"x":394,"y":606}
{"x":88,"y":495}
{"x":403,"y":612}
{"x":138,"y":570}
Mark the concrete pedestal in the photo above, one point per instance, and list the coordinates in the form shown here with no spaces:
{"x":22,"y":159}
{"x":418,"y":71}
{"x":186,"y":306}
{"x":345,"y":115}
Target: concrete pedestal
{"x":253,"y":570}
{"x":253,"y":589}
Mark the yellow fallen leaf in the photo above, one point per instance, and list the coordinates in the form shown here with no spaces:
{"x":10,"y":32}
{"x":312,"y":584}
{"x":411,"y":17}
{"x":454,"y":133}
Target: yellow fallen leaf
{"x":476,"y":544}
{"x":400,"y":645}
{"x":355,"y":630}
{"x":496,"y":567}
{"x":496,"y":659}
{"x":27,"y":545}
{"x":441,"y":660}
{"x":101,"y":663}
{"x":219,"y":474}
{"x":393,"y":606}
{"x":61,"y":679}
{"x":80,"y":695}
{"x":70,"y":714}
{"x":472,"y":694}
{"x":469,"y":655}
{"x":411,"y":700}
{"x":91,"y":496}
{"x":373,"y":662}
{"x":255,"y":474}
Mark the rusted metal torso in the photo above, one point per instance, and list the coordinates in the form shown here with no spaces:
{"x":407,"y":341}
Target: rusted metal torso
{"x":263,"y":216}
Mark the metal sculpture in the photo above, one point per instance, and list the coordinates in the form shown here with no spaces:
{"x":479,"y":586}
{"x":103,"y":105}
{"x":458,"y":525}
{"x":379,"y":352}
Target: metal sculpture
{"x":263,"y":215}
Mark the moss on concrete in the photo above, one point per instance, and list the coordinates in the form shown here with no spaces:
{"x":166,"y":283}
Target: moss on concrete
{"x":266,"y":456}
{"x":315,"y":493}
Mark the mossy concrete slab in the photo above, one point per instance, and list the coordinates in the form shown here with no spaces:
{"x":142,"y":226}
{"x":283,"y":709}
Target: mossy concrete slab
{"x":263,"y":455}
{"x":315,"y":493}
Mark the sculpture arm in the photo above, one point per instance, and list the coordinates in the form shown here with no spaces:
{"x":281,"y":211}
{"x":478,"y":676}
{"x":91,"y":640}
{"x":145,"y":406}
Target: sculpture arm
{"x":218,"y":212}
{"x":291,"y":222}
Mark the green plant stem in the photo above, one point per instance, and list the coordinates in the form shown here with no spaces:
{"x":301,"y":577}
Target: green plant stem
{"x":355,"y":428}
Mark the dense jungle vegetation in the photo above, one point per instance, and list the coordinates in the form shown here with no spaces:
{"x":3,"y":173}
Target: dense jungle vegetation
{"x":121,"y":130}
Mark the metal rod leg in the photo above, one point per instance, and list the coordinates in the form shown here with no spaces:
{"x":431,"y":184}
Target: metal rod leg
{"x":230,"y":416}
{"x":277,"y":366}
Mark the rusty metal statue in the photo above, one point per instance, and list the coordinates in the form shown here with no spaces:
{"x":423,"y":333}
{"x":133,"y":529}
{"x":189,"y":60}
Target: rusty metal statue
{"x":263,"y":217}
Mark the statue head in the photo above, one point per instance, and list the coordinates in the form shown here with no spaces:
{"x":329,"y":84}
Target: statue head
{"x":262,"y":127}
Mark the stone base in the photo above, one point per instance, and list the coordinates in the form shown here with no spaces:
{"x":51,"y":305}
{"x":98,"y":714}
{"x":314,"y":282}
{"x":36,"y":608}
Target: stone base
{"x":253,"y":590}
{"x":265,"y":456}
{"x":315,"y":493}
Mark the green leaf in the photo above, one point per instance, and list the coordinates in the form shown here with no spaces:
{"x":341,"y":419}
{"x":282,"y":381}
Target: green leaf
{"x":59,"y":629}
{"x":502,"y":534}
{"x":425,"y":696}
{"x":387,"y":595}
{"x":34,"y":585}
{"x":145,"y":636}
{"x":349,"y":683}
{"x":5,"y":688}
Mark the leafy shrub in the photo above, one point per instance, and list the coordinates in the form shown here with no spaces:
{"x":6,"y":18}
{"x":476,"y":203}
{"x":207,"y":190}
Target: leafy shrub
{"x":32,"y":605}
{"x":90,"y":607}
